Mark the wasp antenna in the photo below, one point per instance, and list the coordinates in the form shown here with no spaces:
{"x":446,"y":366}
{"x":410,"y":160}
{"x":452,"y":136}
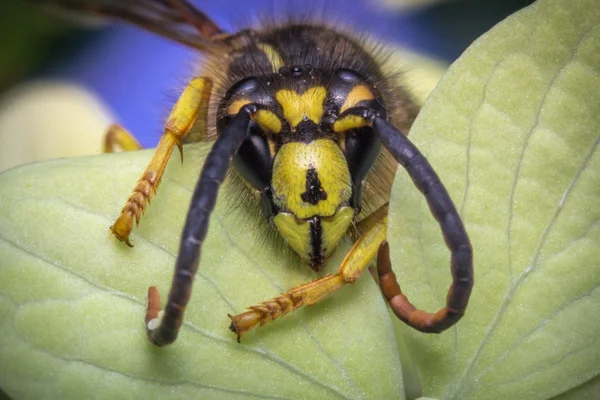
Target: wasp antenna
{"x":205,"y":26}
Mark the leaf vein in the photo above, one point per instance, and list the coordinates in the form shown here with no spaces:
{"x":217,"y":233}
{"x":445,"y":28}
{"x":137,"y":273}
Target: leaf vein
{"x":513,"y":287}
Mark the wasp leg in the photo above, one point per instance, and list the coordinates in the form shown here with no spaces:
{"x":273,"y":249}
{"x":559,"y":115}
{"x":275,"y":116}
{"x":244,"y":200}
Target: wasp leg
{"x":118,"y":137}
{"x":193,"y":100}
{"x":441,"y":206}
{"x":444,"y":211}
{"x":163,"y":329}
{"x":372,"y":232}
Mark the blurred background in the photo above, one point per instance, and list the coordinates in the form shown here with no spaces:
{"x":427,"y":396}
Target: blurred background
{"x":63,"y":82}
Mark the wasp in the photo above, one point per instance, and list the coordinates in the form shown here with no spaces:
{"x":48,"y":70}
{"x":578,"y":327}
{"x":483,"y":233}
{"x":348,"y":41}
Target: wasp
{"x":306,"y":117}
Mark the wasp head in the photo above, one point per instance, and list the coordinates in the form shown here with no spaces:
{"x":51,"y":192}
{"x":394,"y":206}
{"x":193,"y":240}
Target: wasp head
{"x":309,"y":175}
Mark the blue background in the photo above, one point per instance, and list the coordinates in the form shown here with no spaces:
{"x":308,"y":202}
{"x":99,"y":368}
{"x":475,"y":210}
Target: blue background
{"x":139,"y":75}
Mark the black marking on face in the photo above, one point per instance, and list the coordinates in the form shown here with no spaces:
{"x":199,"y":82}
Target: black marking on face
{"x":317,"y":255}
{"x":306,"y":132}
{"x":314,"y":193}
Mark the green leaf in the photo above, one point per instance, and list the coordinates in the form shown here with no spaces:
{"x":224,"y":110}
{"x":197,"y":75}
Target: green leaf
{"x":588,"y":390}
{"x":72,"y":298}
{"x":513,"y":130}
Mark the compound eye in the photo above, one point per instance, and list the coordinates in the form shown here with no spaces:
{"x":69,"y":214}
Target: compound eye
{"x":253,"y":160}
{"x":249,"y":91}
{"x":361,"y":149}
{"x":243,"y":88}
{"x":239,"y":95}
{"x":349,"y":89}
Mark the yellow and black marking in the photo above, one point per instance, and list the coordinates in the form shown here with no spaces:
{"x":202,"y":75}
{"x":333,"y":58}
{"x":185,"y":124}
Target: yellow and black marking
{"x":310,"y":181}
{"x":272,"y":55}
{"x":317,"y":255}
{"x":290,"y":180}
{"x":297,"y":159}
{"x":303,"y":119}
{"x":306,"y":106}
{"x":357,"y":95}
{"x":314,"y":192}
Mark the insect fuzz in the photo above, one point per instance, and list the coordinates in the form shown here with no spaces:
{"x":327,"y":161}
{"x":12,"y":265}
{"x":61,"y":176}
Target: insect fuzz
{"x":308,"y":172}
{"x":300,"y":113}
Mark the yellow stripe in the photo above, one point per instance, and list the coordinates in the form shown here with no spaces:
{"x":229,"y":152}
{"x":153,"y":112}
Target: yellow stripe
{"x":265,"y":118}
{"x":268,"y":121}
{"x":358,"y":93}
{"x":298,"y":106}
{"x":272,"y":55}
{"x":236,"y":105}
{"x":348,"y":122}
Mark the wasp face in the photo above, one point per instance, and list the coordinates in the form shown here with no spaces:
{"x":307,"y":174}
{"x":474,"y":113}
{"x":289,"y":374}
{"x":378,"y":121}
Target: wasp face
{"x":309,"y":177}
{"x":296,"y":124}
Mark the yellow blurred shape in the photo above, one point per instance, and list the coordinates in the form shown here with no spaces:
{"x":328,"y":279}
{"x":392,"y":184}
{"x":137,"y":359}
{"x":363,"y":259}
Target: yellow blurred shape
{"x":48,"y":119}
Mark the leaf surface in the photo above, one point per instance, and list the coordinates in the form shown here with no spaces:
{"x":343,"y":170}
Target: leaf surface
{"x":513,"y":131}
{"x":72,"y":298}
